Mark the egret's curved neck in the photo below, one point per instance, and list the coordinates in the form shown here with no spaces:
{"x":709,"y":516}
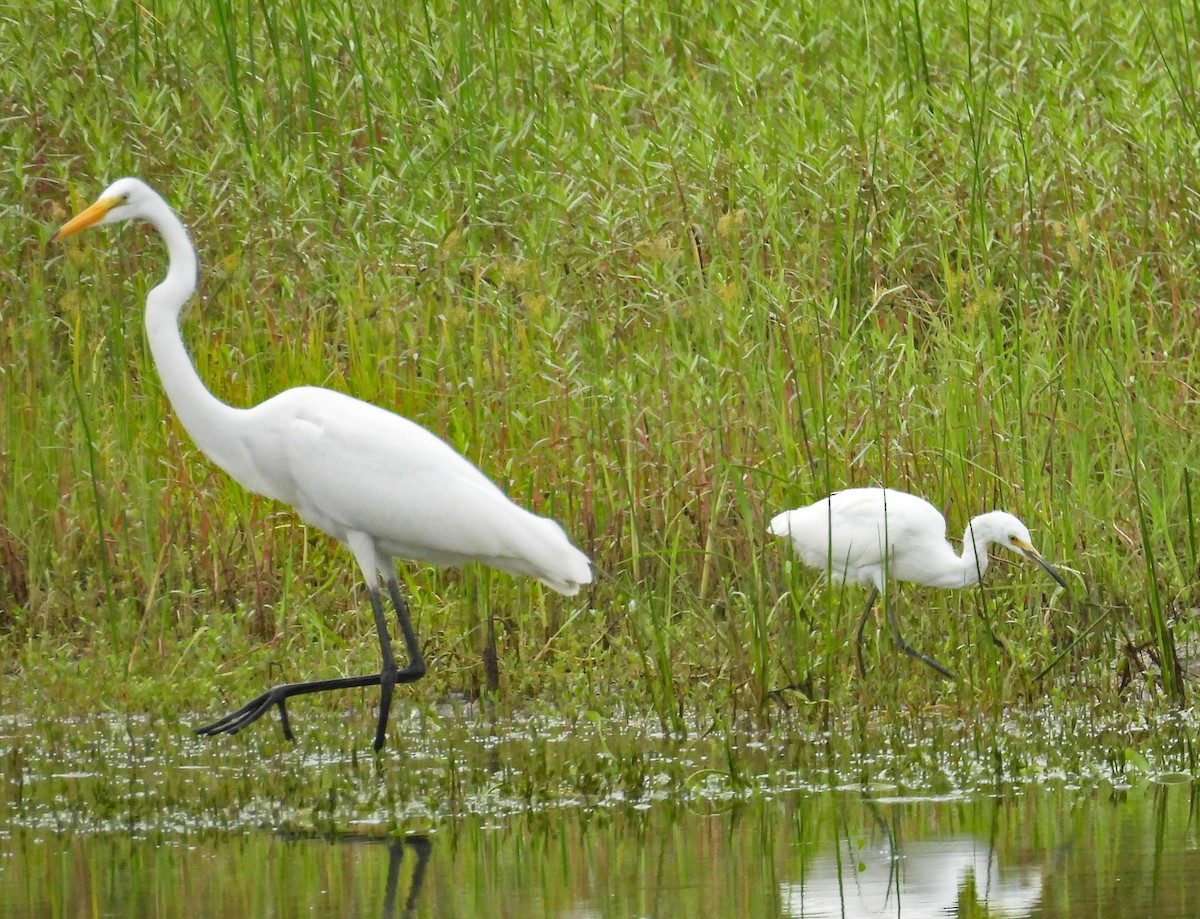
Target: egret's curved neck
{"x":943,"y":567}
{"x":208,"y":420}
{"x":974,"y":558}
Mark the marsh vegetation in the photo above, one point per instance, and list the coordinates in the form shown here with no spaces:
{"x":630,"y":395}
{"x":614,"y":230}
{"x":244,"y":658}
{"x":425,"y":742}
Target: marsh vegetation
{"x":661,"y":274}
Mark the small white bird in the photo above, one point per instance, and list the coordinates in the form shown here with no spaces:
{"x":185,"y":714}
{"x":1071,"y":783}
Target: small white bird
{"x":379,"y":483}
{"x":867,"y":535}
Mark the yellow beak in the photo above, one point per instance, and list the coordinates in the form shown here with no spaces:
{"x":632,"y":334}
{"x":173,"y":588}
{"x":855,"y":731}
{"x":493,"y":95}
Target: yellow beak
{"x":86,"y":218}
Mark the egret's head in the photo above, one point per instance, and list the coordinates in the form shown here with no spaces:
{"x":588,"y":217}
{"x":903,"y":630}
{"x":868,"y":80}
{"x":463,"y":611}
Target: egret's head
{"x":125,"y":199}
{"x":1006,"y":530}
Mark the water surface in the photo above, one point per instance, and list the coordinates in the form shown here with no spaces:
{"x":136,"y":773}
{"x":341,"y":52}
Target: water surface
{"x":136,"y":820}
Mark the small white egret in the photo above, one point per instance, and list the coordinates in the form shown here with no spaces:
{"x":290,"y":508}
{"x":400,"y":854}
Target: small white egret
{"x":846,"y":535}
{"x":379,"y":483}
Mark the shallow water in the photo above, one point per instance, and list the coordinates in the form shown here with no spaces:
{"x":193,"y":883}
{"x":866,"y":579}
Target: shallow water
{"x":124,"y":819}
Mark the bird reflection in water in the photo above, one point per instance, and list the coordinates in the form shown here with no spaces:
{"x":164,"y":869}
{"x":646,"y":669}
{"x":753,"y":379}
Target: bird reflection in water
{"x":918,"y":879}
{"x":419,"y":845}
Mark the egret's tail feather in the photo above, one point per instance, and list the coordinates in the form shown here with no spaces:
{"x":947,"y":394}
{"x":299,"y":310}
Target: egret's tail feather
{"x":573,"y":574}
{"x":781,"y":524}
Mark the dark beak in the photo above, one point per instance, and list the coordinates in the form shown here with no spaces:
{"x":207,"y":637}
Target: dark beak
{"x":1033,"y":555}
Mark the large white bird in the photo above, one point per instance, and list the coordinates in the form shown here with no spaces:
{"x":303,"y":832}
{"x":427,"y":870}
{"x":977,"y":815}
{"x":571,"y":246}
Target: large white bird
{"x":868,"y":535}
{"x":379,"y":483}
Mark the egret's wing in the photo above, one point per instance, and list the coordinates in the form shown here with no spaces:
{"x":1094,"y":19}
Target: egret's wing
{"x":347,"y":465}
{"x":905,"y":518}
{"x":846,"y":532}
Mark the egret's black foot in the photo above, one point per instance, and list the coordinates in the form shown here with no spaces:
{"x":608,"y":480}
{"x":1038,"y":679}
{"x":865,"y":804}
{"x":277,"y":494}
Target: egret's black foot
{"x":386,"y":679}
{"x":251,"y":712}
{"x":925,"y":659}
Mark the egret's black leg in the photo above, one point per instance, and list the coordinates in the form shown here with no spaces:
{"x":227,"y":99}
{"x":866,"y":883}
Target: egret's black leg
{"x":283,"y":720}
{"x":387,"y":674}
{"x":416,"y":662}
{"x":909,"y":649}
{"x":386,"y":679}
{"x":862,"y":670}
{"x":391,"y":675}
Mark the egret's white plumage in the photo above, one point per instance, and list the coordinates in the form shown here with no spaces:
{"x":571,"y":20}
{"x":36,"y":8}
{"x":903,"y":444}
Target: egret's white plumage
{"x":381,"y":484}
{"x":868,"y":535}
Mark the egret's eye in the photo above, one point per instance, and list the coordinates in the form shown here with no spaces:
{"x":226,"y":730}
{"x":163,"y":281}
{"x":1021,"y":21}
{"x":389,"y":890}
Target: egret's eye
{"x":1013,"y":540}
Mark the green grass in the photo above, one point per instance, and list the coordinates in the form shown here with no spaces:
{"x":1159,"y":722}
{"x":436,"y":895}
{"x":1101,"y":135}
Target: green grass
{"x":661,"y":275}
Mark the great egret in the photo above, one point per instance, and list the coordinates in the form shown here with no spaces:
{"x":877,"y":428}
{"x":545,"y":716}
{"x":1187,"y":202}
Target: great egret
{"x":845,"y":535}
{"x":379,"y":483}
